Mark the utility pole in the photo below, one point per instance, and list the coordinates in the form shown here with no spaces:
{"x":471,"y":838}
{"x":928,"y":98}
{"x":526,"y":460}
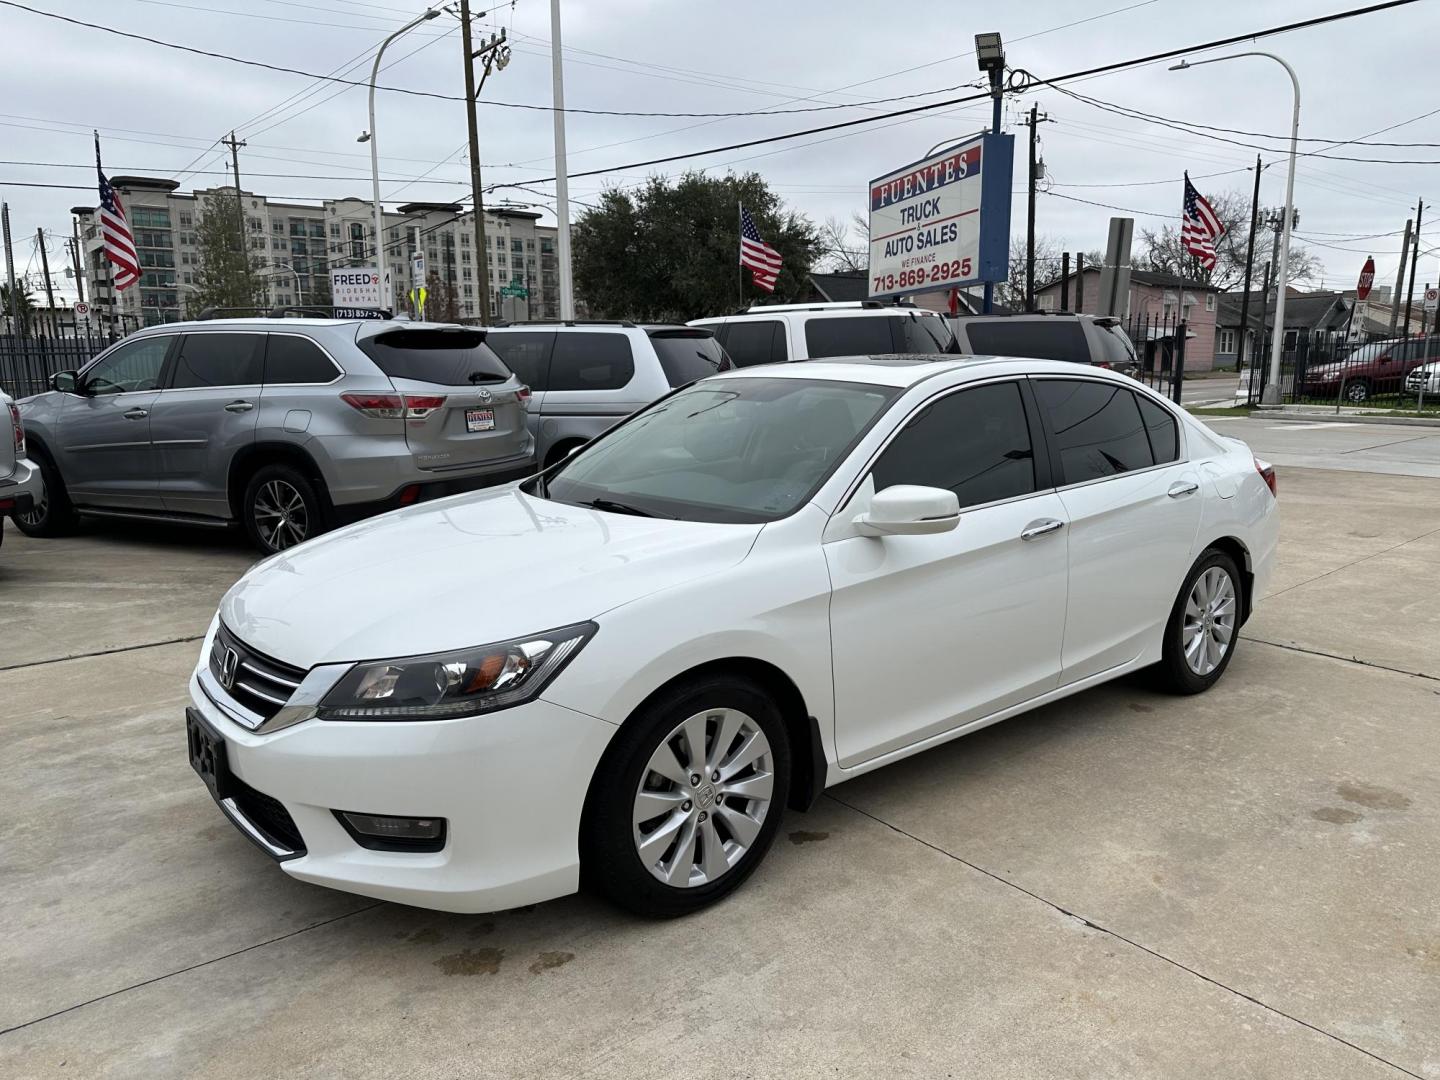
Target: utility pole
{"x":75,"y":260}
{"x":1035,"y":120}
{"x":1079,"y":282}
{"x":1399,"y":278}
{"x":235,"y":146}
{"x":1065,"y":282}
{"x":1414,"y":258}
{"x":10,"y":270}
{"x":45,"y":269}
{"x":1244,"y":330}
{"x":496,"y":55}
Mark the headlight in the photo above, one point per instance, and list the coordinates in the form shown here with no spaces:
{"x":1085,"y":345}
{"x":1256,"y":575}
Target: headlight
{"x":444,"y":686}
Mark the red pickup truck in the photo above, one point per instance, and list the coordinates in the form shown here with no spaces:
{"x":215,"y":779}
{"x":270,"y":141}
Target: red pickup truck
{"x":1377,"y":368}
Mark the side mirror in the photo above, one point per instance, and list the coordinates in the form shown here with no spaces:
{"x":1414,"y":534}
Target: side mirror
{"x":909,"y":510}
{"x":67,"y":382}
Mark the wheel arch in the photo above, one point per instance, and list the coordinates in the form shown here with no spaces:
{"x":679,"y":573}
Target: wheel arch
{"x":808,"y":764}
{"x":1234,"y":547}
{"x":251,"y":459}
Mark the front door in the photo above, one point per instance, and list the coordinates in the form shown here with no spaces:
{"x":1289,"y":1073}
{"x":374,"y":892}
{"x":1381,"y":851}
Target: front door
{"x":527,"y":354}
{"x":1134,"y":510}
{"x":106,"y":456}
{"x":204,"y":417}
{"x":930,"y":633}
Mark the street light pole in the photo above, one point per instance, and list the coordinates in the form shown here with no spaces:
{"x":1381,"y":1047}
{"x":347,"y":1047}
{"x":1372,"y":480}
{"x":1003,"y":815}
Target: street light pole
{"x":1277,"y":347}
{"x":562,"y":182}
{"x":369,"y":136}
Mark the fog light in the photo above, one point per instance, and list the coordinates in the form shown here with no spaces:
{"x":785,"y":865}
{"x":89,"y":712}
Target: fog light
{"x":409,"y":494}
{"x":380,"y":832}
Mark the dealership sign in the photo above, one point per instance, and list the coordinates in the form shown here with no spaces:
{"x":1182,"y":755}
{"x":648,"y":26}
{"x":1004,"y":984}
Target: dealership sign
{"x":943,"y":222}
{"x":356,"y":287}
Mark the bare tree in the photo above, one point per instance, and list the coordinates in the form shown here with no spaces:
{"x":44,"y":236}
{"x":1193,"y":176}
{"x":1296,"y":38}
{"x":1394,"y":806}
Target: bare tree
{"x":1011,"y":291}
{"x":1161,"y":250}
{"x":844,"y":248}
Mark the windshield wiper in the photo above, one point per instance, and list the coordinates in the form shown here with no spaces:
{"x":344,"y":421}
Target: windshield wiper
{"x":621,"y":508}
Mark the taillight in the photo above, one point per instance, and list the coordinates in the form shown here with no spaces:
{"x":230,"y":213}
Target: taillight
{"x":17,"y":430}
{"x":523,"y":394}
{"x":389,"y":406}
{"x":1267,"y":473}
{"x":1103,"y":364}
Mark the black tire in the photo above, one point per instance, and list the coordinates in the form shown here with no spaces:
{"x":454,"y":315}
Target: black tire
{"x":1175,"y":673}
{"x":609,"y":860}
{"x":1357,"y":390}
{"x":304,"y":511}
{"x":52,"y":514}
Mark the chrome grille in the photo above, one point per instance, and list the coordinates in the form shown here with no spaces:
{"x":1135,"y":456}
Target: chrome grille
{"x":257,"y":682}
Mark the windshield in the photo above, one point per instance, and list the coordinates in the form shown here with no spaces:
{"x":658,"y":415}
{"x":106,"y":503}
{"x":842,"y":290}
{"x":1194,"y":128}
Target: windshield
{"x":729,"y":450}
{"x":1367,"y":353}
{"x":687,"y":355}
{"x":448,"y":357}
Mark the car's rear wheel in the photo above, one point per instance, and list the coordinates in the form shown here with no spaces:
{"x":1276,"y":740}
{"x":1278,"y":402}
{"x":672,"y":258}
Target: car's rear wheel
{"x":1204,"y":626}
{"x":1357,"y":390}
{"x":687,"y":799}
{"x":51,"y":514}
{"x":281,"y":508}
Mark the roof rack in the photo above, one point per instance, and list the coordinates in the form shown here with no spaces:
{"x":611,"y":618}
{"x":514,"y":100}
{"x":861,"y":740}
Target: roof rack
{"x":313,"y":311}
{"x":827,"y":305}
{"x":564,"y":322}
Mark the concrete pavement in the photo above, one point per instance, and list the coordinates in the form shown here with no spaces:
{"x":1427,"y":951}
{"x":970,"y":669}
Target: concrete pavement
{"x":1239,"y":884}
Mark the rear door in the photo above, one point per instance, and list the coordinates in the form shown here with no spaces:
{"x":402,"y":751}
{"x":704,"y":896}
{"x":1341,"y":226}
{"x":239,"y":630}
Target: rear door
{"x":462,"y":405}
{"x":1134,"y":509}
{"x":527,"y":354}
{"x":204,"y":417}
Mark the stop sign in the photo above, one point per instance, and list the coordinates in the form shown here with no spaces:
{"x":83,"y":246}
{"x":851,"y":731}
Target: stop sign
{"x":1367,"y":278}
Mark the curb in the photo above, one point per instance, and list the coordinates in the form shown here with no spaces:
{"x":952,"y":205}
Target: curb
{"x":1286,"y":413}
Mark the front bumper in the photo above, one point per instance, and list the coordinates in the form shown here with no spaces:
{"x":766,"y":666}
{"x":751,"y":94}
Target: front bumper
{"x":511,"y":785}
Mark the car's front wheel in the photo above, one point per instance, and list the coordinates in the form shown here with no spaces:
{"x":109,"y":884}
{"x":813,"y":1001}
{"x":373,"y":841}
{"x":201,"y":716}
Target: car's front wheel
{"x":1357,"y":390}
{"x":1204,"y":625}
{"x":51,"y":513}
{"x":281,"y":508}
{"x":687,"y":799}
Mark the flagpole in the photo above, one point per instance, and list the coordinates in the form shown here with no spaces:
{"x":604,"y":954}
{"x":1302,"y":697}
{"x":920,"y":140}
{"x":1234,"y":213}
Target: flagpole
{"x":740,"y":239}
{"x":111,"y":300}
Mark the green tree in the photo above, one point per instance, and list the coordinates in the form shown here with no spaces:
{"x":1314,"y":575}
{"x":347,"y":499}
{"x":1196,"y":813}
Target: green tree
{"x":442,"y":304}
{"x":24,"y":301}
{"x":670,"y":251}
{"x":229,"y":276}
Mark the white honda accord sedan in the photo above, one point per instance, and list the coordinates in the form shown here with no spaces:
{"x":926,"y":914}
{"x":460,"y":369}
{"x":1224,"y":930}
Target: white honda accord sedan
{"x":622,"y":671}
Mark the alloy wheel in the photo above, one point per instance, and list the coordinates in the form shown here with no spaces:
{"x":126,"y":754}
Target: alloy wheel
{"x":703,"y":797}
{"x":281,"y":517}
{"x":1357,"y":391}
{"x":35,"y":516}
{"x":1210,"y":611}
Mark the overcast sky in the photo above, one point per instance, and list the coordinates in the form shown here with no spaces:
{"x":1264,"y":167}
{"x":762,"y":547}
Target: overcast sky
{"x":160,"y":111}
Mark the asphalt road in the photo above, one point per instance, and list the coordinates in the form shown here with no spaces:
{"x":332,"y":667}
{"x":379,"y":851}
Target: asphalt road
{"x":1240,"y":884}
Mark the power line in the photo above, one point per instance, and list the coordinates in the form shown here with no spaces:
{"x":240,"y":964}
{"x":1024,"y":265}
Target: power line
{"x":226,"y":172}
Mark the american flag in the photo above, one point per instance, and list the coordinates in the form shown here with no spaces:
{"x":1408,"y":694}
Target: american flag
{"x":115,"y":231}
{"x":1201,"y":228}
{"x":762,"y":259}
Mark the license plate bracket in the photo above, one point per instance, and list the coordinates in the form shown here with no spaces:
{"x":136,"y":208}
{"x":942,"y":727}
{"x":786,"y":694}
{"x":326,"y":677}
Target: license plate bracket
{"x":479,"y":420}
{"x":207,"y":754}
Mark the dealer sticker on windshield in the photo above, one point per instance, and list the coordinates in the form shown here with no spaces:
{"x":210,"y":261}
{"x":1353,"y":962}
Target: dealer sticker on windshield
{"x":479,"y":419}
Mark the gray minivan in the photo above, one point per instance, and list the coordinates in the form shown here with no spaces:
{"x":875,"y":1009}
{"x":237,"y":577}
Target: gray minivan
{"x":286,"y":425}
{"x":585,"y":377}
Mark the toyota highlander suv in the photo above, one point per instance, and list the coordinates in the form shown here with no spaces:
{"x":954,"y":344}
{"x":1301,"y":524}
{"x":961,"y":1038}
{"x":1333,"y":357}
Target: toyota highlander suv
{"x":19,"y":478}
{"x":285,"y":425}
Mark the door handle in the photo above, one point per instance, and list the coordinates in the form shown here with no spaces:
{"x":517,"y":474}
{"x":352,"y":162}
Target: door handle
{"x":137,"y":414}
{"x":1039,"y":528}
{"x":239,"y":406}
{"x":1183,"y":487}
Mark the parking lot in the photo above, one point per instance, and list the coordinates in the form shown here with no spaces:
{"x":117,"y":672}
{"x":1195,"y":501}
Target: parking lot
{"x":1240,"y":884}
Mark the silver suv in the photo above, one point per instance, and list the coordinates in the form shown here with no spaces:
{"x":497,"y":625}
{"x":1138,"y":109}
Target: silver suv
{"x":287,"y":425}
{"x":19,"y":478}
{"x":585,"y":377}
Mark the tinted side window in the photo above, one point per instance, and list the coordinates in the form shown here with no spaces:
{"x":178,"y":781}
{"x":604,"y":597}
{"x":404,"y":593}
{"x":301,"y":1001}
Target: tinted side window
{"x":753,"y":342}
{"x":136,"y":365}
{"x":925,"y":334}
{"x":446,"y":357}
{"x":218,"y":360}
{"x":974,"y":442}
{"x":526,"y":353}
{"x":849,"y":336}
{"x":687,"y":355}
{"x":591,"y":362}
{"x":1095,"y":427}
{"x":1043,"y":339}
{"x":1162,"y":429}
{"x":292,"y":359}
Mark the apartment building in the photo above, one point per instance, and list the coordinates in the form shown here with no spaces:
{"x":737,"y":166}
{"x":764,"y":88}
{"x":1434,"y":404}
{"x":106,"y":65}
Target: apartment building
{"x":297,"y":244}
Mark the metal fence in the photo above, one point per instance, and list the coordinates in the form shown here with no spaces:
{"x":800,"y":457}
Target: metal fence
{"x":26,"y":363}
{"x":1372,"y":373}
{"x":1159,"y":352}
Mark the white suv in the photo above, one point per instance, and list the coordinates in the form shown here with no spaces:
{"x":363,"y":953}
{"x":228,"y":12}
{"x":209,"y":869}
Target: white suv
{"x":775,"y":333}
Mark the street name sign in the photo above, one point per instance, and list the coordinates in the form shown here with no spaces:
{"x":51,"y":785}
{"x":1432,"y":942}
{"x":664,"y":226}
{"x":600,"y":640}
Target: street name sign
{"x":943,"y":222}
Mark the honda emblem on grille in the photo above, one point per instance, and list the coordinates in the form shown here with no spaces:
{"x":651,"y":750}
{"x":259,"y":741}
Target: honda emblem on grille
{"x":227,"y":668}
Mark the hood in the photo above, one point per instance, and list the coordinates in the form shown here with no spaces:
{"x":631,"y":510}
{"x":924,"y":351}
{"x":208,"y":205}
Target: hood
{"x":464,"y":571}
